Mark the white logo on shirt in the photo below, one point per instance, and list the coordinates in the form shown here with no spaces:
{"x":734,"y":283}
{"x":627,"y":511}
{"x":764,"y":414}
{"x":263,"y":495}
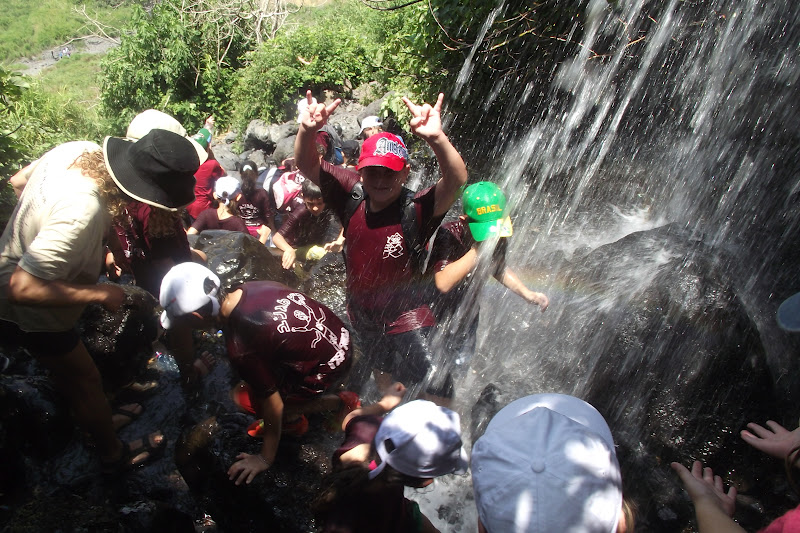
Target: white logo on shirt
{"x":312,"y":323}
{"x":394,"y":246}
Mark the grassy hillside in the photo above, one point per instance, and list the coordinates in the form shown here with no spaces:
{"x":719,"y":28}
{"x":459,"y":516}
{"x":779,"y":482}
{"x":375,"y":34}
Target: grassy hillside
{"x":31,"y":28}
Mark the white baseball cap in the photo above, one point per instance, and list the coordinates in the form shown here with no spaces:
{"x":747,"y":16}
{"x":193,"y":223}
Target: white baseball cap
{"x":370,"y":122}
{"x":421,"y":439}
{"x":152,"y":119}
{"x":547,"y":463}
{"x":186,"y":288}
{"x":226,"y":188}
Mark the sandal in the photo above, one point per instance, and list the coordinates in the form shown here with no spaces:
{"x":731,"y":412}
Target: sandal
{"x":134,"y":457}
{"x":128,"y":412}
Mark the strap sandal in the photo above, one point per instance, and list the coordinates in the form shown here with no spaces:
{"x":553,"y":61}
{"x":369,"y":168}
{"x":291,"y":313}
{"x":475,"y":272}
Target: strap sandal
{"x":122,"y":415}
{"x":135,"y":457}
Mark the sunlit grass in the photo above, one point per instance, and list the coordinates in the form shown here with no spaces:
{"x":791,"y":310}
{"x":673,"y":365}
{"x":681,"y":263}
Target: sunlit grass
{"x":76,"y":77}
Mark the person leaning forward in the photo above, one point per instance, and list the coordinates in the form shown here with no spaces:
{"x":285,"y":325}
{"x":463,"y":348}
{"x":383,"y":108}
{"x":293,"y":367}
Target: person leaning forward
{"x":50,"y":259}
{"x":387,"y":310}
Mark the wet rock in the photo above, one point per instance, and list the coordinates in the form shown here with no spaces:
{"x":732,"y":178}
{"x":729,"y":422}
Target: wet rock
{"x":121,"y":342}
{"x":237,"y":258}
{"x":655,"y":359}
{"x":284,"y":149}
{"x":325,"y":282}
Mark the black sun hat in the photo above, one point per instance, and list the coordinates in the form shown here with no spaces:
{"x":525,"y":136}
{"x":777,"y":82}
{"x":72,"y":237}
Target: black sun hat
{"x":158,"y":169}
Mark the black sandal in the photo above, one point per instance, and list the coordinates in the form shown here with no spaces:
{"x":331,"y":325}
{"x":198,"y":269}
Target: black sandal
{"x":125,"y":462}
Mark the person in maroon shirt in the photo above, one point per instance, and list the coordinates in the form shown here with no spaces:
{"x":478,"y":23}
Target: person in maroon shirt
{"x":149,"y":242}
{"x":387,"y":308}
{"x":254,"y":205}
{"x":289,"y":348}
{"x":455,"y":257}
{"x":227,"y":191}
{"x":312,"y":226}
{"x":206,"y":175}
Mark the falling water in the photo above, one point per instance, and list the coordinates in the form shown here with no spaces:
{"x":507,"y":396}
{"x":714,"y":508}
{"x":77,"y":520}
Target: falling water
{"x":674,"y":160}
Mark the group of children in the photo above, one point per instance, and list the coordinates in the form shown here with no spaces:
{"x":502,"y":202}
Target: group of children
{"x":545,"y":462}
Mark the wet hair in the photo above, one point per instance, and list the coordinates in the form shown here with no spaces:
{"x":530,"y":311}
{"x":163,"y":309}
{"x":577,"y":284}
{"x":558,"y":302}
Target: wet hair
{"x":310,"y":190}
{"x":93,"y":165}
{"x":249,"y":173}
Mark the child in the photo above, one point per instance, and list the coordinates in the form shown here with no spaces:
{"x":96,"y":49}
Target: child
{"x":311,"y":231}
{"x":411,"y":446}
{"x":289,"y":349}
{"x":254,"y":206}
{"x":227,"y":191}
{"x":455,"y":256}
{"x":386,"y":306}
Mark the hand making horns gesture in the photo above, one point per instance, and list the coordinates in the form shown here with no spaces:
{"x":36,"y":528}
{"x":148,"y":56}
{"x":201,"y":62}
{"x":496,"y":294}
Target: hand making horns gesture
{"x":316,"y":115}
{"x":426,"y":121}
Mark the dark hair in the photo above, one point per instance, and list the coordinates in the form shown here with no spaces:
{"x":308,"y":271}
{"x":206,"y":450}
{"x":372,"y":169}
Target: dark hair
{"x":310,"y":190}
{"x":249,"y":177}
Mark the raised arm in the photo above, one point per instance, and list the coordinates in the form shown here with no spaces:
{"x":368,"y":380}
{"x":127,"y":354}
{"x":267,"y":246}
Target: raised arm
{"x":426,"y":123}
{"x":311,"y":121}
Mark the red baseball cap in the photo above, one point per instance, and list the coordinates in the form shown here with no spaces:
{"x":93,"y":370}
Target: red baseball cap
{"x":383,"y":150}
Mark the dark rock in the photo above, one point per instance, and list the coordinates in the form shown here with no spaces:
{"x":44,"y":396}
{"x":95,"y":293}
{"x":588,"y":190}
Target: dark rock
{"x":237,"y":258}
{"x":284,"y":149}
{"x":257,"y":137}
{"x":121,"y":342}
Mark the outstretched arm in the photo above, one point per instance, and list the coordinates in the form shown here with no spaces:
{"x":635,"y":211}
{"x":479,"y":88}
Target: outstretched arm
{"x":712,"y":505}
{"x":426,"y":123}
{"x":247,"y":466}
{"x":26,"y":289}
{"x":311,"y":121}
{"x":510,"y":280}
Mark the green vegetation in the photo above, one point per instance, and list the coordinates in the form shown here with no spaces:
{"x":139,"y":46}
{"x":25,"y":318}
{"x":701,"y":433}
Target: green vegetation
{"x":77,"y":77}
{"x":31,"y":28}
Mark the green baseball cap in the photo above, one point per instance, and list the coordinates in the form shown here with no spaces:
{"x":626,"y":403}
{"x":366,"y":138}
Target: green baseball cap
{"x":203,"y":137}
{"x":485,"y":207}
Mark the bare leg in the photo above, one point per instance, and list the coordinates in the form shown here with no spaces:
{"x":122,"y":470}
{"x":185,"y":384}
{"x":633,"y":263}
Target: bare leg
{"x":77,"y":378}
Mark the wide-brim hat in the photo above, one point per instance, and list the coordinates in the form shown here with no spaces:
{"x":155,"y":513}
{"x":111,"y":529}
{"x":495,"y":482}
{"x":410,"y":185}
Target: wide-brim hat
{"x":158,"y":169}
{"x":151,"y":119}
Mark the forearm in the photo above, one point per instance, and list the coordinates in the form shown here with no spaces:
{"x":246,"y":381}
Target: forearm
{"x":712,"y":519}
{"x":453,"y":273}
{"x":513,"y":283}
{"x":453,"y":169}
{"x":305,"y":154}
{"x":280,"y":243}
{"x":26,"y":289}
{"x":272,"y":412}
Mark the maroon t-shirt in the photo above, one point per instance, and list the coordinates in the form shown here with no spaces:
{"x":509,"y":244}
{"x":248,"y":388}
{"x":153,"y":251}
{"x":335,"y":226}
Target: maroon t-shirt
{"x":302,"y":228}
{"x":148,"y":257}
{"x":380,"y":276}
{"x":206,"y":177}
{"x":281,"y":340}
{"x":255,"y":209}
{"x":209,"y":219}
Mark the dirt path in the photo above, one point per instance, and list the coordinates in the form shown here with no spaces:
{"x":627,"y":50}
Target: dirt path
{"x":86,"y":45}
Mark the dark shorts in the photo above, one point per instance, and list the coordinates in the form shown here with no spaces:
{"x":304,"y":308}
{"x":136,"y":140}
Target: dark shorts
{"x":39,"y":343}
{"x":406,"y":356}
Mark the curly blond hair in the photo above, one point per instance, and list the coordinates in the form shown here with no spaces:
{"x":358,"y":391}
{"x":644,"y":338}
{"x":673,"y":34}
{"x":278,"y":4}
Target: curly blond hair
{"x":93,"y":165}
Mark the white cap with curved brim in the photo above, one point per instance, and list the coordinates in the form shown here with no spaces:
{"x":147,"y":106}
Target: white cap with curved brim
{"x":421,"y":439}
{"x":186,"y":288}
{"x":370,"y":122}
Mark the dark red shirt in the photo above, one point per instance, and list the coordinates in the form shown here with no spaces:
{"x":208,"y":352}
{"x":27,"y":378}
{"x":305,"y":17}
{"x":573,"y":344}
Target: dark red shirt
{"x":302,"y":228}
{"x":148,"y":257}
{"x":255,"y":209}
{"x":380,"y":276}
{"x":209,"y":219}
{"x":281,"y":340}
{"x":206,"y":177}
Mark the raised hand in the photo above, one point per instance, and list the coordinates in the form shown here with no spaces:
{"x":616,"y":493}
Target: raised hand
{"x":777,"y":441}
{"x":316,"y":115}
{"x":704,"y":487}
{"x":426,"y":120}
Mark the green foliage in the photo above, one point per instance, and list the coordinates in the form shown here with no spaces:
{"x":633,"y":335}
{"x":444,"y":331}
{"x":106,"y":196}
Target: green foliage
{"x":166,"y":63}
{"x":29,"y":28}
{"x":77,"y":77}
{"x":317,"y":58}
